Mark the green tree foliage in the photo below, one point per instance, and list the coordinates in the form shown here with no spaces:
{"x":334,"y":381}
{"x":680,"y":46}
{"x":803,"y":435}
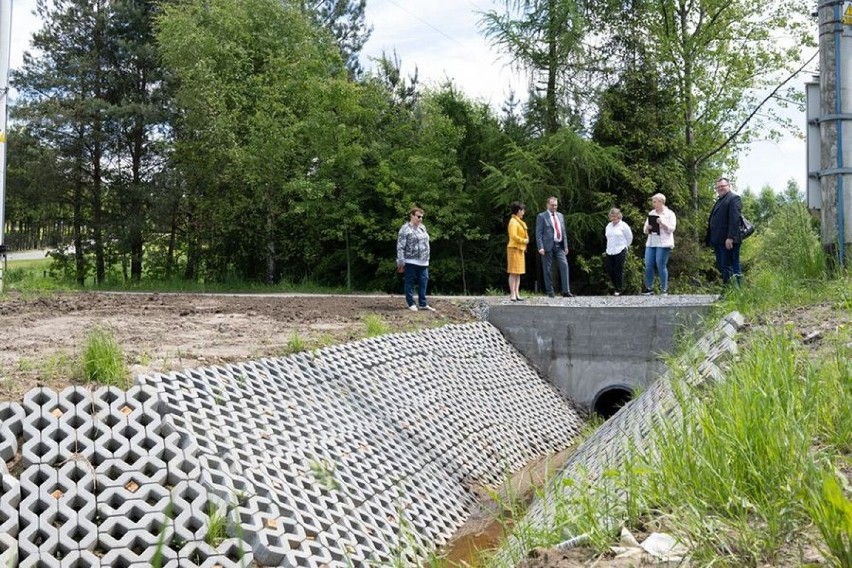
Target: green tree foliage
{"x":546,"y":37}
{"x":63,"y":94}
{"x":265,"y":110}
{"x":344,"y":19}
{"x":240,"y":138}
{"x":139,"y":115}
{"x":89,"y":98}
{"x":37,"y":206}
{"x":722,"y":57}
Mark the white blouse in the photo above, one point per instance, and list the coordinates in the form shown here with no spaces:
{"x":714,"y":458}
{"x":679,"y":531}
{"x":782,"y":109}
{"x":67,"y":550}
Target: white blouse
{"x":618,"y":237}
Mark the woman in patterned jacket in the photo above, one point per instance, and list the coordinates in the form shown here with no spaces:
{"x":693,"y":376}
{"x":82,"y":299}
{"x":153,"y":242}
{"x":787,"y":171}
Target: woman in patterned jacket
{"x":412,"y":259}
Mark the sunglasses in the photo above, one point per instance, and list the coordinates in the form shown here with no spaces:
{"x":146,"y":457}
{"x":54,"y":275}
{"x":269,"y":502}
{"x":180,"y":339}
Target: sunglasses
{"x":419,"y":216}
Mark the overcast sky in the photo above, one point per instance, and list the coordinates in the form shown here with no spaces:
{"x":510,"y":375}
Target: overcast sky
{"x":442,"y":38}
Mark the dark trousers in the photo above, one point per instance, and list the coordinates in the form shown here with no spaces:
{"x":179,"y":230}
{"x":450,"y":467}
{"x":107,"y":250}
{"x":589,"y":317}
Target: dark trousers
{"x":614,"y":266}
{"x":556,"y":253}
{"x":728,"y":263}
{"x":419,"y":275}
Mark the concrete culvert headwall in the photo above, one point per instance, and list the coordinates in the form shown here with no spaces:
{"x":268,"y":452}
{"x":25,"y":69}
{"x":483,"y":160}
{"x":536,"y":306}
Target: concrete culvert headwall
{"x":353,"y":455}
{"x":594,"y":349}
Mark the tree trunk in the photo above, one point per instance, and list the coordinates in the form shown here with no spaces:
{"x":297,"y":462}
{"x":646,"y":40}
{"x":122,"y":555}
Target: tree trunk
{"x":348,"y":262}
{"x":77,"y":231}
{"x":137,"y":208}
{"x":552,"y":69}
{"x":461,"y":259}
{"x":270,"y":247}
{"x":170,"y":255}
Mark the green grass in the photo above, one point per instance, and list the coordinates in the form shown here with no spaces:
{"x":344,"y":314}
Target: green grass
{"x":31,"y":277}
{"x":296,"y":344}
{"x":43,"y":275}
{"x":102,"y":359}
{"x":375,"y":325}
{"x":216,"y":524}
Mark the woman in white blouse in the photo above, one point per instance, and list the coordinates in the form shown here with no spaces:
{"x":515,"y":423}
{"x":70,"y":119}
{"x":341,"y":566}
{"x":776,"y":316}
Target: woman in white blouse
{"x":659,"y":226}
{"x":618,"y":238}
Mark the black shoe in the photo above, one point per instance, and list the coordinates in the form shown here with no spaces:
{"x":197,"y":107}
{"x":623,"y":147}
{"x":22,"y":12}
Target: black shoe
{"x":550,"y":295}
{"x":519,"y":299}
{"x":567,"y":295}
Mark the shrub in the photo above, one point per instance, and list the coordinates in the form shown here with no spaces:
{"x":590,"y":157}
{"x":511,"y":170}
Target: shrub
{"x":790,"y":245}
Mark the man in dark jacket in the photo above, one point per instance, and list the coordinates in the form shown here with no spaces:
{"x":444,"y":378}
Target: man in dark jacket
{"x":723,"y":231}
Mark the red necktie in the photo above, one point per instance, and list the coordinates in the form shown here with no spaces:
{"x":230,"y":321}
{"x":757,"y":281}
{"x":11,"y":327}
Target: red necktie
{"x":556,"y":226}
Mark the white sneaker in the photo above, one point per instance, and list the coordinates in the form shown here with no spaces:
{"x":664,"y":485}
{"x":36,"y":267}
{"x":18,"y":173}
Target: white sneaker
{"x":413,"y":307}
{"x":428,"y":308}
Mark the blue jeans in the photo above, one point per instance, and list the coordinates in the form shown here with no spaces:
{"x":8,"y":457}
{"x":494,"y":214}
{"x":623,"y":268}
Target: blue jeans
{"x":419,"y":275}
{"x":728,"y":262}
{"x":657,"y":258}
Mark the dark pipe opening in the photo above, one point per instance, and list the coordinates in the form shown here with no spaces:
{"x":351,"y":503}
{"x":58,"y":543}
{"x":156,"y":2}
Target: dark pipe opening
{"x":610,"y":401}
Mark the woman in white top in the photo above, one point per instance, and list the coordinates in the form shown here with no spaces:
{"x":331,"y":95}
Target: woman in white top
{"x":618,"y":238}
{"x":659,"y":226}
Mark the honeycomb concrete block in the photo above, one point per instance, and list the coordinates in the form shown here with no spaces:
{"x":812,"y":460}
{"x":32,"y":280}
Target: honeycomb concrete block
{"x":37,"y":541}
{"x":8,"y":550}
{"x":111,"y":502}
{"x":139,"y":556}
{"x":43,"y":561}
{"x":76,"y":533}
{"x":11,"y":426}
{"x":39,"y":401}
{"x":10,"y":498}
{"x":304,"y":444}
{"x":117,"y":533}
{"x":81,"y":559}
{"x":231,"y":553}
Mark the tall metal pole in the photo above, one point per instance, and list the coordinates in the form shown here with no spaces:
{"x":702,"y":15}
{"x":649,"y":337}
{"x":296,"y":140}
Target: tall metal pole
{"x":5,"y":55}
{"x":835,"y":45}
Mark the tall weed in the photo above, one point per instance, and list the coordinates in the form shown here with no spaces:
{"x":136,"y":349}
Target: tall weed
{"x":831,"y":512}
{"x":790,"y":245}
{"x":103,"y":359}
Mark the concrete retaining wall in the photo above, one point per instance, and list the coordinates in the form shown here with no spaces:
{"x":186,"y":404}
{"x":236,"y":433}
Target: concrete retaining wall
{"x":586,"y":346}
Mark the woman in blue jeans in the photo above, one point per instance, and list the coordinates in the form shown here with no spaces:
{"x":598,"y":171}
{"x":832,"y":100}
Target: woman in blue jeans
{"x":660,"y":227}
{"x":412,"y":259}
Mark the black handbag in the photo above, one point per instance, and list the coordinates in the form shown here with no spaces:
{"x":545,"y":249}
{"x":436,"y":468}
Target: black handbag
{"x":746,"y":228}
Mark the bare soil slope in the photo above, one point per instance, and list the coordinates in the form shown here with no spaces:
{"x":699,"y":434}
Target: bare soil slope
{"x":41,"y":337}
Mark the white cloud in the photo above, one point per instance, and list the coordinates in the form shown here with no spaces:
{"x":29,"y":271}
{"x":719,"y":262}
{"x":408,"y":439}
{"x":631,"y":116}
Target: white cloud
{"x":772,"y":163}
{"x":24,"y":23}
{"x":442,"y":39}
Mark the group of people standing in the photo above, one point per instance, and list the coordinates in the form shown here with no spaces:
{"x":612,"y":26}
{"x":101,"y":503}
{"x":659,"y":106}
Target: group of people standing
{"x":552,"y":243}
{"x":551,"y":236}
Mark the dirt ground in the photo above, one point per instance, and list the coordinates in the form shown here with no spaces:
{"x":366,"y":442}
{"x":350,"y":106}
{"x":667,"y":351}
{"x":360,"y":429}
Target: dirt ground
{"x":40,"y":338}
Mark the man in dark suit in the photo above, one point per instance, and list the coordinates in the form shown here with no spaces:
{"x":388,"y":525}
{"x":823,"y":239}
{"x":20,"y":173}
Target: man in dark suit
{"x":723,"y":231}
{"x":552,"y":242}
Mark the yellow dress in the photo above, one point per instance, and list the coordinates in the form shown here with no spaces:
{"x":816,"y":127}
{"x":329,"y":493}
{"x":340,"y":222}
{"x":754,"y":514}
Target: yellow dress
{"x":516,"y":249}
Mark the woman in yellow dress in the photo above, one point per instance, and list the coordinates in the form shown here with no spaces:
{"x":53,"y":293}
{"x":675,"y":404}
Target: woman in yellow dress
{"x":516,"y":250}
